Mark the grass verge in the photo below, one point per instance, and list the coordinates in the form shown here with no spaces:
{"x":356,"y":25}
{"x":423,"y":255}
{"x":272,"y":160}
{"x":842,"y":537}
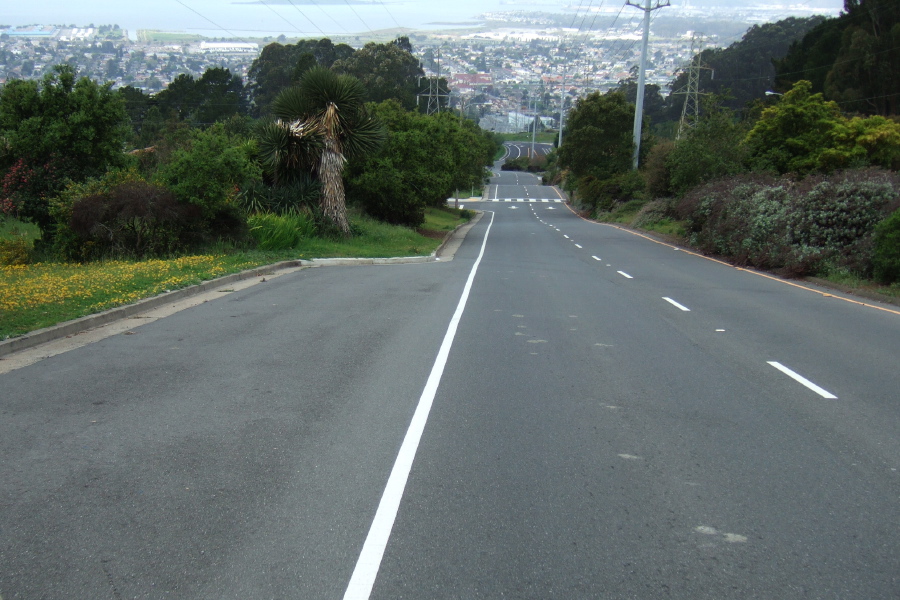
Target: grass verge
{"x":848,"y":282}
{"x":10,"y":228}
{"x":39,"y":295}
{"x":674,"y":232}
{"x":623,"y":213}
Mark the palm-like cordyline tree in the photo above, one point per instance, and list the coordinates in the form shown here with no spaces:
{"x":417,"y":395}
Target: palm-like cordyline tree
{"x":319,"y":124}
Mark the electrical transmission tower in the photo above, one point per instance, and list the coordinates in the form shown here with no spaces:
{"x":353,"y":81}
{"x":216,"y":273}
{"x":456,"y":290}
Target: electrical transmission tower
{"x":434,"y":94}
{"x":690,"y":112}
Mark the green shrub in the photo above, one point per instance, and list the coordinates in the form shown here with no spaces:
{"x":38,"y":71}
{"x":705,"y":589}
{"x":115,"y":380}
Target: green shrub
{"x":67,"y":245}
{"x":299,"y":196}
{"x":384,"y":193}
{"x":651,"y":214}
{"x":656,"y":171}
{"x":886,"y":259}
{"x":280,"y":232}
{"x":15,"y":250}
{"x":516,"y":164}
{"x":210,"y":170}
{"x":711,"y":149}
{"x":603,"y":195}
{"x":800,"y":228}
{"x":135,"y":219}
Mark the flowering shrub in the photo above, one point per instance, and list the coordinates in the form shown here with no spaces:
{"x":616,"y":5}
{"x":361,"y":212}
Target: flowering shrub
{"x":25,"y":190}
{"x":801,"y":228}
{"x":9,"y":208}
{"x":14,"y":182}
{"x":14,"y":251}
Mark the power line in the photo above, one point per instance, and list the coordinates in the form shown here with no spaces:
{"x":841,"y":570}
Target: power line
{"x":211,"y":21}
{"x":575,"y":16}
{"x":328,"y":14}
{"x":584,"y":18}
{"x":281,"y":16}
{"x":319,"y":29}
{"x":390,"y":14}
{"x":366,"y":25}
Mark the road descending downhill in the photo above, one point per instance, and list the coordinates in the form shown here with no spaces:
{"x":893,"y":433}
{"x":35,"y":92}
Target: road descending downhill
{"x":563,"y":410}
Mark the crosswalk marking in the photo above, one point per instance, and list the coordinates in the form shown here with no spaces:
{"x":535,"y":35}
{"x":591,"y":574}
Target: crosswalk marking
{"x":525,"y":200}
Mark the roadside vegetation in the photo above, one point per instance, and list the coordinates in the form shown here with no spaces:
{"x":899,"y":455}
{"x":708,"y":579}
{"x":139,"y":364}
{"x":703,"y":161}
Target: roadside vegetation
{"x":803,"y":182}
{"x":321,"y":163}
{"x":323,"y":153}
{"x":39,"y":294}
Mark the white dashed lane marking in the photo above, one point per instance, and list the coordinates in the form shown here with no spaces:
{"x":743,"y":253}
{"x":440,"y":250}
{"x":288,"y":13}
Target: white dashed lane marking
{"x":624,"y":274}
{"x":676,"y":304}
{"x":800,"y":379}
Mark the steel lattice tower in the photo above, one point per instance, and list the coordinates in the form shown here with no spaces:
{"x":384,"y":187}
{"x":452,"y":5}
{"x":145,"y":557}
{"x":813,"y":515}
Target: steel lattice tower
{"x":690,"y":112}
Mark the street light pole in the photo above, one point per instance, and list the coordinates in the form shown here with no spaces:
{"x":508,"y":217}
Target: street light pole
{"x":639,"y":104}
{"x":562,"y":107}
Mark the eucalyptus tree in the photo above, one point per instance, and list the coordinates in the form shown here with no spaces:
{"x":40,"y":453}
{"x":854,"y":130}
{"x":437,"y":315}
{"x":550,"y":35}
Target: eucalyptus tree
{"x":318,"y":125}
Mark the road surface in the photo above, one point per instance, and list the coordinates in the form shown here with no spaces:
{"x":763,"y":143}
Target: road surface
{"x":564,"y":410}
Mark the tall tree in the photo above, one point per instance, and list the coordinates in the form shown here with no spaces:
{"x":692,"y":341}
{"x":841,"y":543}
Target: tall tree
{"x":280,"y":66}
{"x":387,"y":71}
{"x":63,"y":128}
{"x":852,"y":59}
{"x":319,"y":124}
{"x":810,"y":57}
{"x":598,"y":140}
{"x":865,"y":77}
{"x":710,"y":149}
{"x":744,"y":70}
{"x":654,"y":104}
{"x":220,"y":95}
{"x":180,"y":98}
{"x":425,"y":158}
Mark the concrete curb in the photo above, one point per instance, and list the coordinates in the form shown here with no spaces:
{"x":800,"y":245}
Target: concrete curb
{"x":74,"y":326}
{"x":68,"y":328}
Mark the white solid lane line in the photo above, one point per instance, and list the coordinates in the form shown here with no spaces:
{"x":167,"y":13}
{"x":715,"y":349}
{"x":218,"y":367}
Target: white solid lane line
{"x":369,"y":561}
{"x":676,"y":305}
{"x":624,"y":274}
{"x":803,"y":380}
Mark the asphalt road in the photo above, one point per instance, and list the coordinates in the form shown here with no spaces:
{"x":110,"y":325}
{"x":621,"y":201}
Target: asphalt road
{"x":599,"y":418}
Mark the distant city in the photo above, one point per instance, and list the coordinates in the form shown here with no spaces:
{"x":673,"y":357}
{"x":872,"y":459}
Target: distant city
{"x":490,"y":68}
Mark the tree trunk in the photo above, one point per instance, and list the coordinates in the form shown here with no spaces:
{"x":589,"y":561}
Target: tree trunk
{"x":331,"y":166}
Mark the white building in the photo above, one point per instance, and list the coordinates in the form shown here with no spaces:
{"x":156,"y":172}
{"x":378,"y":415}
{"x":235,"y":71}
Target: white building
{"x":223,"y":47}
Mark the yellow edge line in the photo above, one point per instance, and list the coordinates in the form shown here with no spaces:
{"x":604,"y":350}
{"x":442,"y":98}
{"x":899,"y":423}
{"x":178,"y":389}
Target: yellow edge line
{"x":721,"y":262}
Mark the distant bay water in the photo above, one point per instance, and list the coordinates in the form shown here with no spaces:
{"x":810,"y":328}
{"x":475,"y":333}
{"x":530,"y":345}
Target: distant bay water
{"x":312,"y":18}
{"x":224,"y":18}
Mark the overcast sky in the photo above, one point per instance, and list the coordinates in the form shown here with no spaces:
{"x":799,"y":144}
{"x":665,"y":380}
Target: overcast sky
{"x":305,"y":17}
